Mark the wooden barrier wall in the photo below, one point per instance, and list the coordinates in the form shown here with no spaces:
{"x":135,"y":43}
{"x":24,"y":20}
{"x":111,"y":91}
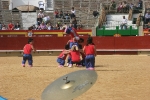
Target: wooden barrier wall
{"x":48,"y":43}
{"x":22,"y":33}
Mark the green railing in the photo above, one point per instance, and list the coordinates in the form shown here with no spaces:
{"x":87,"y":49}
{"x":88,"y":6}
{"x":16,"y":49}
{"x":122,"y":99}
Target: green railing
{"x":128,"y":32}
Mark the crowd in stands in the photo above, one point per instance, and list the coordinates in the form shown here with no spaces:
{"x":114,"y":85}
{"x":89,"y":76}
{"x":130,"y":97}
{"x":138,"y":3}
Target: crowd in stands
{"x":44,"y":22}
{"x":10,"y":26}
{"x":125,"y":6}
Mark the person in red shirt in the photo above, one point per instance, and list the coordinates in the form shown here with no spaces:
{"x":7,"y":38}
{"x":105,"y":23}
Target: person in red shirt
{"x":27,"y":53}
{"x":90,"y":52}
{"x":10,"y":26}
{"x":62,"y":57}
{"x":78,"y":44}
{"x":74,"y":56}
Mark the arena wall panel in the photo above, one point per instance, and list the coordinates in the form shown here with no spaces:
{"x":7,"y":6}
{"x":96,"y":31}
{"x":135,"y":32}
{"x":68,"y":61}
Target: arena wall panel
{"x":102,"y":43}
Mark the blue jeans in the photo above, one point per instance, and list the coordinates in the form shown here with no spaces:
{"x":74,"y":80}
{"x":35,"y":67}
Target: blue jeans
{"x":83,"y":62}
{"x":27,"y":57}
{"x":61,"y":61}
{"x":90,"y":61}
{"x":123,"y":25}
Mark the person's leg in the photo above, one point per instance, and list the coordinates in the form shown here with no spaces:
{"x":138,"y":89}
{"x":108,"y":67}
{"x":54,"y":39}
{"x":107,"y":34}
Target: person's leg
{"x":121,"y":26}
{"x":68,"y":60}
{"x":70,"y":63}
{"x":61,"y":62}
{"x":125,"y":26}
{"x":87,"y":64}
{"x":30,"y":60}
{"x":92,"y":62}
{"x":24,"y":60}
{"x":79,"y":64}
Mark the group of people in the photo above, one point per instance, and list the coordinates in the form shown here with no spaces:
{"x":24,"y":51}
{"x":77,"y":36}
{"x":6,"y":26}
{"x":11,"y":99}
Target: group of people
{"x":44,"y":22}
{"x":10,"y":26}
{"x":73,"y":51}
{"x":124,"y":6}
{"x":68,"y":15}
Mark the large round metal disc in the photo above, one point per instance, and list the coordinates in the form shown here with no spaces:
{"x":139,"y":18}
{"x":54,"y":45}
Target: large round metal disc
{"x":77,"y":83}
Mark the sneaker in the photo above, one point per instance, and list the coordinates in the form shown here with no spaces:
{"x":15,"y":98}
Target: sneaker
{"x":79,"y":65}
{"x":70,"y":65}
{"x":23,"y":65}
{"x":60,"y":66}
{"x":30,"y":65}
{"x":90,"y":68}
{"x":67,"y":64}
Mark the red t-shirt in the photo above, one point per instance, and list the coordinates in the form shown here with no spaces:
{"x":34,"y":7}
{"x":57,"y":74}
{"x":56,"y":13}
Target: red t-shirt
{"x":75,"y":56}
{"x":10,"y":26}
{"x":62,"y":55}
{"x":89,"y":50}
{"x":27,"y":49}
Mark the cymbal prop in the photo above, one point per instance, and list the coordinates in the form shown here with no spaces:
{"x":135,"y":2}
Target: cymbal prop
{"x":70,"y":85}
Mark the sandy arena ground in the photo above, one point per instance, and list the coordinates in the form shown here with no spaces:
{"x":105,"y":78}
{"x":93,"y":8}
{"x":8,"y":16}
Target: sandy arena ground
{"x":120,"y":77}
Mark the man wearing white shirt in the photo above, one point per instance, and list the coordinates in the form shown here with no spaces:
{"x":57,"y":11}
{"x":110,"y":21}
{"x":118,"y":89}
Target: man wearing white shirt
{"x":41,"y":5}
{"x":147,"y":17}
{"x":124,"y":23}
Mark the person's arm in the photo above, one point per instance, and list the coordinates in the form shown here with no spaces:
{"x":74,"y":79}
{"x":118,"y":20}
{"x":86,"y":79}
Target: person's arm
{"x":68,"y":42}
{"x":33,"y":48}
{"x":146,"y":15}
{"x":66,"y":52}
{"x":84,"y":49}
{"x":95,"y":50}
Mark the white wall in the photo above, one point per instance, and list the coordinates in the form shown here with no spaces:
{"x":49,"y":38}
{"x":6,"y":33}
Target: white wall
{"x":16,"y":3}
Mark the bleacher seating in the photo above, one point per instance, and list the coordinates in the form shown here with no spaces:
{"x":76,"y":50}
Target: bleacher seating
{"x":115,"y":20}
{"x":7,"y":16}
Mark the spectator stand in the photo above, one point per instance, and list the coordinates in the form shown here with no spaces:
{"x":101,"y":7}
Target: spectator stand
{"x":112,"y":20}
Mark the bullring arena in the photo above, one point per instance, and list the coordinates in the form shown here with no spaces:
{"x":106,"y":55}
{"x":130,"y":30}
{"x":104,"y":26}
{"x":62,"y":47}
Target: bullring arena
{"x":120,"y":77}
{"x":120,"y":32}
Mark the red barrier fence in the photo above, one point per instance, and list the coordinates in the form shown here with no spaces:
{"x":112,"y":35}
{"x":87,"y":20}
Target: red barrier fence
{"x":49,"y":43}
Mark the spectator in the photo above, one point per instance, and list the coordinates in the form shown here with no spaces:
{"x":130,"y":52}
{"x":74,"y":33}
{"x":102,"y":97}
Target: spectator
{"x":43,"y":26}
{"x":0,"y":26}
{"x":74,"y":23}
{"x":147,"y":26}
{"x":49,"y":26}
{"x":131,"y":5}
{"x":46,"y":19}
{"x":41,"y":5}
{"x":140,"y":4}
{"x":56,"y":13}
{"x":61,"y":15}
{"x":57,"y":27}
{"x":67,"y":16}
{"x":124,"y":23}
{"x":30,"y":32}
{"x":34,"y":27}
{"x":72,"y":13}
{"x":125,"y":7}
{"x":17,"y":26}
{"x":119,"y":9}
{"x":10,"y":26}
{"x":40,"y":17}
{"x":147,"y":17}
{"x":4,"y":27}
{"x":95,"y":13}
{"x":112,"y":5}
